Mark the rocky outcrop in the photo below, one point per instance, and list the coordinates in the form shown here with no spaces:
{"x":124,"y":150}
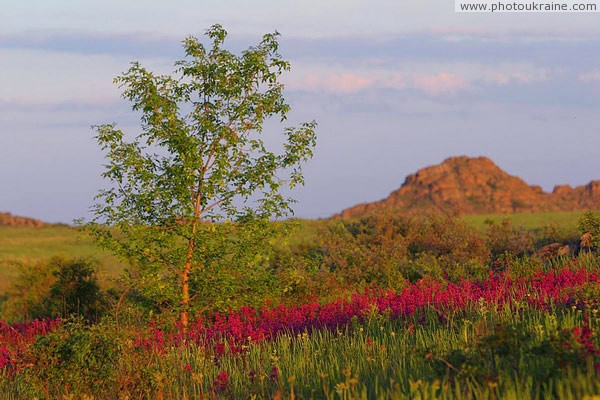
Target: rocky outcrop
{"x":554,"y":250}
{"x":581,"y":197}
{"x":466,"y":185}
{"x":586,"y":241}
{"x":7,"y":219}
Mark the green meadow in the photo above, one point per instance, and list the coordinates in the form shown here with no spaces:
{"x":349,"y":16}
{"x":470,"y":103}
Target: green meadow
{"x":386,"y":307}
{"x":25,"y":245}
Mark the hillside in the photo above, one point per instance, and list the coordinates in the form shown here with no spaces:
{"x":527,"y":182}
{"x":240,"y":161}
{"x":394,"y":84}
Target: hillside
{"x":7,"y":219}
{"x":466,"y":185}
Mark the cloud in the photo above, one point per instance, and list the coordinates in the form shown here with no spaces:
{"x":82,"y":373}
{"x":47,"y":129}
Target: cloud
{"x":132,"y":44}
{"x":346,"y":82}
{"x":591,"y":76}
{"x":485,"y":46}
{"x":431,"y":80}
{"x":440,"y":83}
{"x":352,"y":82}
{"x":528,"y":75}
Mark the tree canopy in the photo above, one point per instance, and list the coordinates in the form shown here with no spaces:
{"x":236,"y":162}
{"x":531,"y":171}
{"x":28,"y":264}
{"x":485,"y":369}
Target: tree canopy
{"x":199,"y":182}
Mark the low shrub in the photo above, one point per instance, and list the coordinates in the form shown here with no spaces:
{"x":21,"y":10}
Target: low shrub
{"x":504,"y":238}
{"x":366,"y":251}
{"x":589,"y":224}
{"x":60,"y":287}
{"x":75,"y":360}
{"x":386,"y":249}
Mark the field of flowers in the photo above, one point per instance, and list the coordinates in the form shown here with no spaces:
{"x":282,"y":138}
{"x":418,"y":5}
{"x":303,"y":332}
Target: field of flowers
{"x":502,"y":337}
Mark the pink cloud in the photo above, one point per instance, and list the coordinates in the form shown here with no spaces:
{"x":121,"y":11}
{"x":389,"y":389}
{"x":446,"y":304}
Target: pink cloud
{"x":336,"y":83}
{"x":432,"y":83}
{"x":592,"y":76}
{"x":350,"y":82}
{"x":440,"y":83}
{"x":502,"y":78}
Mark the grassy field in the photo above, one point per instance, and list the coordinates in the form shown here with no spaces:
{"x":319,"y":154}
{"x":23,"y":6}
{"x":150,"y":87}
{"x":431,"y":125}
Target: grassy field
{"x":30,"y":245}
{"x":23,"y":245}
{"x":371,"y":319}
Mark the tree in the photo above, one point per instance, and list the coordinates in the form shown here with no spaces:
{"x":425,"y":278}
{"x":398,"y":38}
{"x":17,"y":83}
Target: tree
{"x":199,"y":181}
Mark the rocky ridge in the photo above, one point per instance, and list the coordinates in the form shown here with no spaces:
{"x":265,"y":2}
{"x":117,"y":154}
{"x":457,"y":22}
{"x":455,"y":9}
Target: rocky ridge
{"x":467,"y":185}
{"x":7,"y":219}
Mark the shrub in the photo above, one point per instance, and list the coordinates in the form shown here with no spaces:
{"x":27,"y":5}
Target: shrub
{"x":57,"y":288}
{"x":75,"y":290}
{"x":26,"y":294}
{"x":505,"y":238}
{"x":589,"y":223}
{"x":459,"y":250}
{"x":297,"y":268}
{"x":75,"y":360}
{"x":366,"y":251}
{"x":554,"y":233}
{"x":386,"y":248}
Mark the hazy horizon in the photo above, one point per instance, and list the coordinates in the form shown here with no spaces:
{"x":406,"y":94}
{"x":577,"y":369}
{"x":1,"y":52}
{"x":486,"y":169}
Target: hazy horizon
{"x":394,"y":88}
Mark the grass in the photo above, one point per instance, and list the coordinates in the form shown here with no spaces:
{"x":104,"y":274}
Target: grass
{"x":24,"y":245}
{"x":385,"y":360}
{"x":562,"y":219}
{"x":484,"y":352}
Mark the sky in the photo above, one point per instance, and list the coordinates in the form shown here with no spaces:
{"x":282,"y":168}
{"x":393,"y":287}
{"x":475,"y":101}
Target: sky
{"x":394,"y":86}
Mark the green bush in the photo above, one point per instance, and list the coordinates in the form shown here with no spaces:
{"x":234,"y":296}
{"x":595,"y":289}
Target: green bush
{"x":297,"y":268}
{"x":505,"y":238}
{"x":386,"y":249}
{"x":27,"y":293}
{"x":459,"y":250}
{"x":58,"y":288}
{"x":554,"y":233}
{"x":75,"y":290}
{"x":366,"y":251}
{"x":75,"y":360}
{"x":589,"y":223}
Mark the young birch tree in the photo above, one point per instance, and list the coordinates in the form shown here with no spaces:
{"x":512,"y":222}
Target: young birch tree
{"x":199,"y":175}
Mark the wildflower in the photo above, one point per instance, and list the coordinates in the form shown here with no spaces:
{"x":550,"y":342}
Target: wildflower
{"x":274,"y":375}
{"x":219,"y":349}
{"x":220,"y":384}
{"x":4,"y":358}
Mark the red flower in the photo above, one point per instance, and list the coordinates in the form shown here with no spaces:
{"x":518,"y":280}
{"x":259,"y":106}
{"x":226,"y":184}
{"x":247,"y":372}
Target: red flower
{"x":220,"y":384}
{"x":274,"y":375}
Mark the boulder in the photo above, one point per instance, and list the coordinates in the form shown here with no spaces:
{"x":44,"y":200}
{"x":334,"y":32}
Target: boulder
{"x":550,"y":251}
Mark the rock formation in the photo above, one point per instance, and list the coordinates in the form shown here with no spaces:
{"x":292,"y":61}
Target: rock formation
{"x":7,"y":219}
{"x":467,"y":185}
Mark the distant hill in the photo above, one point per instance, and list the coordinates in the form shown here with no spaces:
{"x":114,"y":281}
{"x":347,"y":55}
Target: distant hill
{"x":7,"y":219}
{"x":468,"y":185}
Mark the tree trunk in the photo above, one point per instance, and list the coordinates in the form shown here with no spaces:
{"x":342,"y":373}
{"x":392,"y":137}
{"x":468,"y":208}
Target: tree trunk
{"x":185,"y":287}
{"x":185,"y":276}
